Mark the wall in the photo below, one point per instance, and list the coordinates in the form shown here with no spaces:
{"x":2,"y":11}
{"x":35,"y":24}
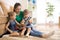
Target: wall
{"x":40,"y":12}
{"x":9,"y":3}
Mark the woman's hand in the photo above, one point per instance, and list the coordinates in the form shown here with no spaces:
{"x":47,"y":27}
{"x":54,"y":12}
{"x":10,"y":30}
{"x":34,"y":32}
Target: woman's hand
{"x":22,"y":22}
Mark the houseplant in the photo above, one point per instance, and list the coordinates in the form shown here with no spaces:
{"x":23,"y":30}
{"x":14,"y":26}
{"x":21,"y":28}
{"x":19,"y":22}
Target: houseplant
{"x":50,"y":9}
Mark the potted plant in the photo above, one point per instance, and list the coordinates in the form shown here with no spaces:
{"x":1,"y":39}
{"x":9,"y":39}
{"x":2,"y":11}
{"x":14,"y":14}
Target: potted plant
{"x":50,"y":10}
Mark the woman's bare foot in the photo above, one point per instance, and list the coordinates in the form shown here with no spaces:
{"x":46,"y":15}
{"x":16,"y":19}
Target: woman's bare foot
{"x":48,"y":35}
{"x":21,"y":35}
{"x":14,"y":34}
{"x":23,"y":31}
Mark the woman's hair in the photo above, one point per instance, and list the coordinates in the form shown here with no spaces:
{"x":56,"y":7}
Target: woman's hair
{"x":16,"y":5}
{"x":9,"y":14}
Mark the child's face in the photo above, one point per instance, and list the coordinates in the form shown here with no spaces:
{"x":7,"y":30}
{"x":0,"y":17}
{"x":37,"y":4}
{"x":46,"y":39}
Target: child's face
{"x":13,"y":17}
{"x":26,"y":14}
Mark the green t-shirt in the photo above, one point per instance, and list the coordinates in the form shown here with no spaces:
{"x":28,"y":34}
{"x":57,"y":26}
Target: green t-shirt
{"x":20,"y":17}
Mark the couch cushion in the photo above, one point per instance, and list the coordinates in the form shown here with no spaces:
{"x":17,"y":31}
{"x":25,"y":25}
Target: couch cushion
{"x":3,"y":20}
{"x":2,"y":29}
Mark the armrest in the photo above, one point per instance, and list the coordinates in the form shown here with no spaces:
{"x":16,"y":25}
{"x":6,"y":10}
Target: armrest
{"x":3,"y":19}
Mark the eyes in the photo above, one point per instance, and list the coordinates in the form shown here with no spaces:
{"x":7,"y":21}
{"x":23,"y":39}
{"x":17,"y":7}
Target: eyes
{"x":18,"y":8}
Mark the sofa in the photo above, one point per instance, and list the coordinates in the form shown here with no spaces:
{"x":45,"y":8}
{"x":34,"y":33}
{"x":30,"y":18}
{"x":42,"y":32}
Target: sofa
{"x":3,"y":20}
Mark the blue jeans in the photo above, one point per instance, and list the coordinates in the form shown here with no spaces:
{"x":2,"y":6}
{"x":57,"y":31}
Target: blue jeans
{"x":36,"y":33}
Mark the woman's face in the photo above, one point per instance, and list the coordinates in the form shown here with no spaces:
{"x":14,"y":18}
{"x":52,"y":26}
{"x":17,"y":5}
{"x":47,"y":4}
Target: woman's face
{"x":17,"y":10}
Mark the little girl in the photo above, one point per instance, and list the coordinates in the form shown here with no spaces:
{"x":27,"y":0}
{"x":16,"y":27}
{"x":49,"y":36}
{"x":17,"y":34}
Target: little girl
{"x":11,"y":24}
{"x":27,"y":20}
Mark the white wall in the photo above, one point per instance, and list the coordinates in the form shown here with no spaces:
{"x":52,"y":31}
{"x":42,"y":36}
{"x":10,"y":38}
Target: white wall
{"x":9,"y":3}
{"x":40,"y":12}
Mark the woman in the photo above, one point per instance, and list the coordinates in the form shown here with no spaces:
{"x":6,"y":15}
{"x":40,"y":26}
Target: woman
{"x":19,"y":13}
{"x":19,"y":17}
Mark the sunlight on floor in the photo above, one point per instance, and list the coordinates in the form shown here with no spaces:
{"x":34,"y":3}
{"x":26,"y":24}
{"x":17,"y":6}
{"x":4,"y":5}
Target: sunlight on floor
{"x":41,"y":28}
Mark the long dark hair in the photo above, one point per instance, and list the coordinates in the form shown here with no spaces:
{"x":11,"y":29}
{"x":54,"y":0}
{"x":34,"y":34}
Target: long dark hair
{"x":16,"y":5}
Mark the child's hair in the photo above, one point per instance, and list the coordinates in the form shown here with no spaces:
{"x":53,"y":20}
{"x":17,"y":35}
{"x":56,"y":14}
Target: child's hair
{"x":26,"y":11}
{"x":10,"y":14}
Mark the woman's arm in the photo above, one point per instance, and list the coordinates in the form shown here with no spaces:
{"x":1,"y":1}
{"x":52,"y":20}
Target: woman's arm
{"x":8,"y":28}
{"x":17,"y":23}
{"x":22,"y":22}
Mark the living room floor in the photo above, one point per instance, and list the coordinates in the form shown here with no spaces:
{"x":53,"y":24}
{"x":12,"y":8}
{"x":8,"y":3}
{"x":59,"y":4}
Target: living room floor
{"x":42,"y":28}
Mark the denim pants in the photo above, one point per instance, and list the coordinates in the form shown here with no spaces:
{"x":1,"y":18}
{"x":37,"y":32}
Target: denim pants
{"x":36,"y":33}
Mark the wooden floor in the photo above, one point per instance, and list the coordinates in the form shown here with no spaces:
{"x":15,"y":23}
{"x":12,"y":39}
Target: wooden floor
{"x":42,"y":28}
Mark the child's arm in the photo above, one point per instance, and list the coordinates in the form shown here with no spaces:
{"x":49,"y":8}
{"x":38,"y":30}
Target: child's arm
{"x":17,"y":23}
{"x":8,"y":28}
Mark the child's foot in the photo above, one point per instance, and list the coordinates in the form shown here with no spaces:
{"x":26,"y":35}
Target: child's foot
{"x":48,"y":35}
{"x":27,"y":35}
